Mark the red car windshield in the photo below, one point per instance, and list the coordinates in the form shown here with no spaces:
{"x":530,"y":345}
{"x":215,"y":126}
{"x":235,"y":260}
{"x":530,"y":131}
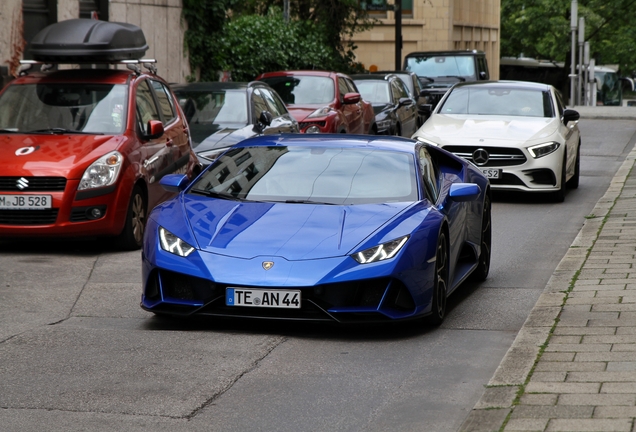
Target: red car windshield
{"x":303,"y":89}
{"x":87,"y":108}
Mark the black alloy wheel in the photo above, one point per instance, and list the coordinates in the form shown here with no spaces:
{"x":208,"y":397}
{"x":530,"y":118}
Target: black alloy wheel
{"x":573,"y":183}
{"x":440,"y":286}
{"x":559,"y":195}
{"x":483,"y":266}
{"x":132,"y":236}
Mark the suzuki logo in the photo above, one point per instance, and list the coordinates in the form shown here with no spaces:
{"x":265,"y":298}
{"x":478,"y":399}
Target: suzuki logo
{"x":480,"y":157}
{"x":22,"y":183}
{"x":26,"y":150}
{"x":268,"y":264}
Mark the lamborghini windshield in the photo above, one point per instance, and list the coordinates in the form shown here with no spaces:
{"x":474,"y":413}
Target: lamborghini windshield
{"x":66,"y":108}
{"x":310,"y":175}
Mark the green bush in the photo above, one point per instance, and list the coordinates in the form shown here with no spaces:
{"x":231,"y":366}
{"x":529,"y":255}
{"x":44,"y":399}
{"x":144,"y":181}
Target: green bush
{"x":253,"y":44}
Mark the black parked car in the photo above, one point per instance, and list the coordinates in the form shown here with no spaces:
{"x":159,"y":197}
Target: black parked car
{"x":221,"y":114}
{"x":412,"y":83}
{"x":394,"y":107}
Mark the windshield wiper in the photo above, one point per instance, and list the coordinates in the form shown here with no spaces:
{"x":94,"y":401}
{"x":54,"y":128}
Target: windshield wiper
{"x":461,"y":78}
{"x":60,"y":131}
{"x":307,"y":202}
{"x":9,"y":130}
{"x":426,"y":78}
{"x":213,"y":194}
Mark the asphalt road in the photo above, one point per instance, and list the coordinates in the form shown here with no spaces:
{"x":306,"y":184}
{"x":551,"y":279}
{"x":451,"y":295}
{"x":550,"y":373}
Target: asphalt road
{"x":77,"y":352}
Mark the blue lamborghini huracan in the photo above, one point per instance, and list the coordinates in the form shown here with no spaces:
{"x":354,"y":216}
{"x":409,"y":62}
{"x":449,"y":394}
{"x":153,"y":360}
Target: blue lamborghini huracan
{"x":345,"y":228}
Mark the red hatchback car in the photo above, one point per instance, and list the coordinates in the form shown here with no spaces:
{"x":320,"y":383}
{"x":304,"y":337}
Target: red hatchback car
{"x":82,"y":152}
{"x":323,"y":102}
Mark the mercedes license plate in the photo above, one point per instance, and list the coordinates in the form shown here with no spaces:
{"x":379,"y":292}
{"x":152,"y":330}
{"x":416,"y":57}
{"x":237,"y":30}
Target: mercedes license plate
{"x":491,"y":173}
{"x":287,"y":299}
{"x":25,"y":202}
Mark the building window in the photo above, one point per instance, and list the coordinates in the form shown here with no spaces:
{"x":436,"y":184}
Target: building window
{"x":96,"y":9}
{"x":375,"y":8}
{"x":379,"y":8}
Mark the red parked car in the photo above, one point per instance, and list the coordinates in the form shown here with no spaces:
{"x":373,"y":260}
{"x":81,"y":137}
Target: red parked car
{"x":82,"y":151}
{"x":323,"y":102}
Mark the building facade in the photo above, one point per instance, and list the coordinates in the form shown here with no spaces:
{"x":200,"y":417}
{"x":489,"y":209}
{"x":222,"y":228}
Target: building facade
{"x":431,"y":25}
{"x":160,"y":21}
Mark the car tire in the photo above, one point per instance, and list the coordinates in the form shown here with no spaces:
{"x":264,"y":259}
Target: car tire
{"x":131,"y":237}
{"x":573,"y":183}
{"x":559,"y":195}
{"x":373,"y":130}
{"x":440,"y":285}
{"x":483,"y":264}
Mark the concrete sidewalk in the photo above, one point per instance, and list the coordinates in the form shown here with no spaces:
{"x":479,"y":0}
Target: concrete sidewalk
{"x":572,"y":366}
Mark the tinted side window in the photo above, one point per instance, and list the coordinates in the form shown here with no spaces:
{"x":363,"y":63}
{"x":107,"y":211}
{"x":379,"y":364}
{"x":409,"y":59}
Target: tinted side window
{"x":258,"y":105}
{"x":166,"y":104}
{"x":271,"y":102}
{"x":342,"y":88}
{"x":429,"y":175}
{"x":482,"y":67}
{"x":146,"y":108}
{"x":560,"y":104}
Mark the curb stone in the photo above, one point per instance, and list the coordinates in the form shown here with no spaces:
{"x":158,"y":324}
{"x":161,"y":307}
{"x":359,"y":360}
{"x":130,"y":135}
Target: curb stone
{"x":508,"y":382}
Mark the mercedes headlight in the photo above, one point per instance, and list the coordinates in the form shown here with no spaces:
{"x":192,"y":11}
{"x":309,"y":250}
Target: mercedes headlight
{"x":381,"y":252}
{"x":173,"y":244}
{"x":102,"y":172}
{"x":541,"y":150}
{"x":425,"y":141}
{"x":320,"y":112}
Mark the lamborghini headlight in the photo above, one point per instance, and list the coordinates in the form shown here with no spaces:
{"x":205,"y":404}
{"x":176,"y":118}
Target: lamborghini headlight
{"x":381,"y":252}
{"x":541,"y":150}
{"x":173,"y":244}
{"x":102,"y":172}
{"x":320,"y":112}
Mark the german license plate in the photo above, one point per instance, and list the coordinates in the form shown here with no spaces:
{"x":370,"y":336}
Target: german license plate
{"x":25,"y":202}
{"x":286,"y":299}
{"x":491,"y":173}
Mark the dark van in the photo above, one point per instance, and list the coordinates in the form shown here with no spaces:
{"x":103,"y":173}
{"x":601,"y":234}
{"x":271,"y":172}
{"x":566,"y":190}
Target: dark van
{"x":439,"y":70}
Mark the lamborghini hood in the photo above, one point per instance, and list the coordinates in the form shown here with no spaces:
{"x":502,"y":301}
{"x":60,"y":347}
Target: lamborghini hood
{"x":291,"y":231}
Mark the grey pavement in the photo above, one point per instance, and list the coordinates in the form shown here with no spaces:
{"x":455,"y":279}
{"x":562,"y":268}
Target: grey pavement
{"x":572,"y":366}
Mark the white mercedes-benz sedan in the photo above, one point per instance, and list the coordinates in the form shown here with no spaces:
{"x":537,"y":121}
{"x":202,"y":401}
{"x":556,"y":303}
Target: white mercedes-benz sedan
{"x":518,"y":133}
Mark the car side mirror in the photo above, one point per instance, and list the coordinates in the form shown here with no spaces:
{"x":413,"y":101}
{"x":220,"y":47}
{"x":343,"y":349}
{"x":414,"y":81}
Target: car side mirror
{"x":405,"y":101}
{"x":174,"y":182}
{"x":351,"y":98}
{"x":264,"y":120}
{"x":462,"y":192}
{"x":570,"y":115}
{"x":154,"y":129}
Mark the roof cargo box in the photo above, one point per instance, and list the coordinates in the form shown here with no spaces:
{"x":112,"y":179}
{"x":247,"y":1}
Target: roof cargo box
{"x":88,"y":41}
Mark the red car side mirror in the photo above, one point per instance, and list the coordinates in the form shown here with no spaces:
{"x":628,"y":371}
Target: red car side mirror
{"x":154,"y":129}
{"x":351,"y":98}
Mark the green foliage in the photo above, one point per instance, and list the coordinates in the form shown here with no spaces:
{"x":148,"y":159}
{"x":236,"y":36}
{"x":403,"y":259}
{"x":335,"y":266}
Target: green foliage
{"x":249,"y":37}
{"x":252,"y":44}
{"x":541,"y":29}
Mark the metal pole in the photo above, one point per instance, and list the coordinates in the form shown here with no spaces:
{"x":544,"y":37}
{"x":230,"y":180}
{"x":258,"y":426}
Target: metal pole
{"x":398,"y":34}
{"x":286,"y":10}
{"x":573,"y":23}
{"x":586,"y":69}
{"x":581,"y":42}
